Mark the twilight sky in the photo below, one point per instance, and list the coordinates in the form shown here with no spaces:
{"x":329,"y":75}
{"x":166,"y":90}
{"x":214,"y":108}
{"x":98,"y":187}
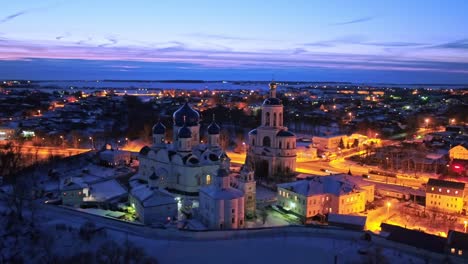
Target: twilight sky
{"x":417,"y":41}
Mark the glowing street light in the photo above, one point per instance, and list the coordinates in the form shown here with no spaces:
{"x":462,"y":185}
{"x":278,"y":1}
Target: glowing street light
{"x":92,"y":142}
{"x":465,"y":222}
{"x":426,"y":121}
{"x":452,"y":121}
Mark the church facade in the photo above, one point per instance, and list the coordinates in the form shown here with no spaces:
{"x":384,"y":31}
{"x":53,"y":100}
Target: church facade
{"x":184,"y":165}
{"x":272,"y":148}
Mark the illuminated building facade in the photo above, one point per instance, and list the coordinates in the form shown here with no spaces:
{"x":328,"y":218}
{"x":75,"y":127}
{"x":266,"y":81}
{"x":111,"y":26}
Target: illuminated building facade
{"x":445,"y":196}
{"x":340,"y":194}
{"x":186,"y":164}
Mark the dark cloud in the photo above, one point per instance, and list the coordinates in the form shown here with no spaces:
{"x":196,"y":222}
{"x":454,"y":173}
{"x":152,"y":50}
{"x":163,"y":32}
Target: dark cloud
{"x":111,"y":41}
{"x":15,"y":15}
{"x":84,"y":41}
{"x":394,"y":44}
{"x":458,"y":44}
{"x":355,"y":21}
{"x":67,"y":34}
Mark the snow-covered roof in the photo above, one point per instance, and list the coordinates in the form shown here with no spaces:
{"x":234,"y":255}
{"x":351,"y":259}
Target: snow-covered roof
{"x":152,"y":197}
{"x":334,"y":184}
{"x":221,"y":194}
{"x":105,"y":190}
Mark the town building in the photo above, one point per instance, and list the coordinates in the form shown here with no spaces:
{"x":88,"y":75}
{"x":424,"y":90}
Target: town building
{"x":340,"y":194}
{"x":111,"y":157}
{"x":153,"y":205}
{"x":220,"y":205}
{"x":272,"y":148}
{"x":445,"y":196}
{"x":73,"y":193}
{"x":76,"y":191}
{"x":457,"y":243}
{"x":184,"y":165}
{"x":458,"y":152}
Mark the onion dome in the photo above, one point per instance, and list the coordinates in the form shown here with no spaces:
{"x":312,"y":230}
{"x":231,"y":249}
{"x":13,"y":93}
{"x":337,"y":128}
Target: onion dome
{"x":273,"y":85}
{"x":159,"y":128}
{"x":145,"y":150}
{"x":186,"y":112}
{"x":184,"y":132}
{"x":284,"y":133}
{"x":272,"y":101}
{"x":154,"y":176}
{"x":213,"y":128}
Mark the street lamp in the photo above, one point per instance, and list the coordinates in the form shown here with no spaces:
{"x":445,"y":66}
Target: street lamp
{"x":388,"y":209}
{"x":427,"y":122}
{"x":92,"y":142}
{"x":465,"y":222}
{"x":61,"y":137}
{"x":452,"y":121}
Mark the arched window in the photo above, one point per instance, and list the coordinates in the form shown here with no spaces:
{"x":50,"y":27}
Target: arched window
{"x":266,"y":142}
{"x":280,"y":144}
{"x":287,"y":145}
{"x":253,"y":141}
{"x":280,"y":121}
{"x":267,"y":119}
{"x":208,"y":179}
{"x":274,"y":119}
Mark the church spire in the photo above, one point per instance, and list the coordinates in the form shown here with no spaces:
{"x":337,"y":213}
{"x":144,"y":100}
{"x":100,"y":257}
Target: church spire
{"x":273,"y":87}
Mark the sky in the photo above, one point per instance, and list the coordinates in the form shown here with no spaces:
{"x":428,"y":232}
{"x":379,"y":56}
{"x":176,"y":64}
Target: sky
{"x":395,"y":41}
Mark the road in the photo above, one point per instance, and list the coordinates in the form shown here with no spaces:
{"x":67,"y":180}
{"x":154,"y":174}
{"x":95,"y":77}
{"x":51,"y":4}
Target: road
{"x":340,"y":166}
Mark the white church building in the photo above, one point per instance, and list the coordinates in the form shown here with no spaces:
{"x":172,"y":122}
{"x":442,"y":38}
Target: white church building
{"x":184,"y":165}
{"x":272,"y":148}
{"x":222,"y":206}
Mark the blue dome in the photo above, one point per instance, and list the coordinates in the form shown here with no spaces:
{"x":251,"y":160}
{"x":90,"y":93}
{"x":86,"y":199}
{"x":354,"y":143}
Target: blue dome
{"x":253,"y":132}
{"x":145,"y":150}
{"x":272,"y":101}
{"x":159,"y":128}
{"x":184,"y":132}
{"x":186,"y":112}
{"x":284,"y":133}
{"x":213,"y":128}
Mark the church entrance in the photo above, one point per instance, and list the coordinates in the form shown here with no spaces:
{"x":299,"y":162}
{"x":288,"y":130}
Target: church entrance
{"x":261,"y":170}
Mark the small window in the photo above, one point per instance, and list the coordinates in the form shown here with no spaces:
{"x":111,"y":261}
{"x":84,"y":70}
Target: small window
{"x":440,"y":189}
{"x":456,"y":192}
{"x":448,"y":191}
{"x":233,"y":220}
{"x":460,"y":252}
{"x":432,"y":188}
{"x":452,"y":250}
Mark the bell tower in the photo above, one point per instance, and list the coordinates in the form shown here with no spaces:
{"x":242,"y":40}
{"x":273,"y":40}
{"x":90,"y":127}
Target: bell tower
{"x":247,"y":184}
